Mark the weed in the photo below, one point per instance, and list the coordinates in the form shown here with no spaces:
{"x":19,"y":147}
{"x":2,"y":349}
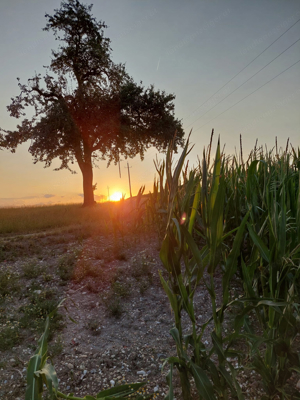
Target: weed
{"x":94,"y":326}
{"x":9,"y":335}
{"x":113,"y":306}
{"x":35,"y":313}
{"x":56,"y":348}
{"x":9,"y":282}
{"x":66,"y":265}
{"x":144,"y":285}
{"x":121,"y":289}
{"x":86,"y":269}
{"x":140,"y":269}
{"x":31,"y":270}
{"x":34,"y":286}
{"x":47,"y":277}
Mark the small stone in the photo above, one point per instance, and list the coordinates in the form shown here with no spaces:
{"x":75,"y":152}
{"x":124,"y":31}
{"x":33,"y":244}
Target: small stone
{"x":71,"y":366}
{"x":298,"y":384}
{"x":141,"y":373}
{"x":156,"y":389}
{"x":112,"y":382}
{"x":37,"y":291}
{"x":85,"y":372}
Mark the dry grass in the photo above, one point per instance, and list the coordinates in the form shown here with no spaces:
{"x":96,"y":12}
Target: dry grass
{"x":38,"y":218}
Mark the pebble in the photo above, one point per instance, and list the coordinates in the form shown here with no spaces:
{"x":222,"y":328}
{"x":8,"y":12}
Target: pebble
{"x":71,"y":366}
{"x":298,"y":384}
{"x":156,"y":389}
{"x":141,"y":373}
{"x":112,"y":382}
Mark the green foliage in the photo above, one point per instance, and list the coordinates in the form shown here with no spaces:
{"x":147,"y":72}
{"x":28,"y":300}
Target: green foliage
{"x":244,"y":216}
{"x":34,"y":314}
{"x":9,"y":282}
{"x":114,"y":306}
{"x":10,"y":335}
{"x":121,"y":289}
{"x":141,"y":268}
{"x":66,"y":266}
{"x":31,"y":270}
{"x":85,"y":269}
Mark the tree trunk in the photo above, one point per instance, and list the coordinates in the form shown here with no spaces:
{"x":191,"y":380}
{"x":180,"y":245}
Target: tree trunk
{"x":88,"y":192}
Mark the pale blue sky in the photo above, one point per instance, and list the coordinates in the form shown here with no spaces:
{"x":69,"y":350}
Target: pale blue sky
{"x":190,"y":48}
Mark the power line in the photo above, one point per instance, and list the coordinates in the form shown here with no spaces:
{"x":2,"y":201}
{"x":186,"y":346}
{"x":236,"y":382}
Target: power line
{"x":242,"y":69}
{"x":243,"y":83}
{"x":247,"y":95}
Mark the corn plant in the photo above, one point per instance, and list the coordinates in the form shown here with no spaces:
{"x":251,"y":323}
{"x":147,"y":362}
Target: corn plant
{"x":41,"y":373}
{"x":156,"y":206}
{"x":186,"y":265}
{"x":273,"y":272}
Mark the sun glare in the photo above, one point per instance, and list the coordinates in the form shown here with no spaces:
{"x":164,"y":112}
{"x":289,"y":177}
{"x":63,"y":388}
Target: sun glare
{"x":115,"y":196}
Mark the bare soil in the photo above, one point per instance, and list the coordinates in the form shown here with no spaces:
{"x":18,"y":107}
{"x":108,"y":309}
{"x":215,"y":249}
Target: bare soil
{"x":121,"y":312}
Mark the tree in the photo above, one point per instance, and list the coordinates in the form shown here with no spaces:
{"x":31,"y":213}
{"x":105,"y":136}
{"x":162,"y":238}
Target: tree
{"x":87,"y":107}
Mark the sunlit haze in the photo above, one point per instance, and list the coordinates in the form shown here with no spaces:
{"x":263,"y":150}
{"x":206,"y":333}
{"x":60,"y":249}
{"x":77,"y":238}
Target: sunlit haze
{"x":115,"y":196}
{"x":189,"y":48}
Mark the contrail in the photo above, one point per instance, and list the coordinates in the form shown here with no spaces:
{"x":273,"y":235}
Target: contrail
{"x":158,"y":65}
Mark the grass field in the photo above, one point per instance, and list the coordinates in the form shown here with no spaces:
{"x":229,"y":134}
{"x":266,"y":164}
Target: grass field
{"x":38,"y":218}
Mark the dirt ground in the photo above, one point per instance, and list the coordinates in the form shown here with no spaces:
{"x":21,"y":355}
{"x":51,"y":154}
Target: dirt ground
{"x":121,"y":312}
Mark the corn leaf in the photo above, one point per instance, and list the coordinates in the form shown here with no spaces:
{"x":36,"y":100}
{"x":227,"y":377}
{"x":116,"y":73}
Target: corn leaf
{"x":203,"y":384}
{"x":118,"y":391}
{"x":264,"y":251}
{"x":49,"y":377}
{"x":169,"y":379}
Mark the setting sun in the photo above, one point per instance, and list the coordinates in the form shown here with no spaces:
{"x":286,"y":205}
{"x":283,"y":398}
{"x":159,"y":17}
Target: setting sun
{"x":115,"y":196}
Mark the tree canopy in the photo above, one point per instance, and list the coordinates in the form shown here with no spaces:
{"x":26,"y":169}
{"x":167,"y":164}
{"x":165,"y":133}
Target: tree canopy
{"x":86,"y":107}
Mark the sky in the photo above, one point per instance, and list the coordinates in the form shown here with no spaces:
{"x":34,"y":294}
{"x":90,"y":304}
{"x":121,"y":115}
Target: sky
{"x":191,"y":48}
